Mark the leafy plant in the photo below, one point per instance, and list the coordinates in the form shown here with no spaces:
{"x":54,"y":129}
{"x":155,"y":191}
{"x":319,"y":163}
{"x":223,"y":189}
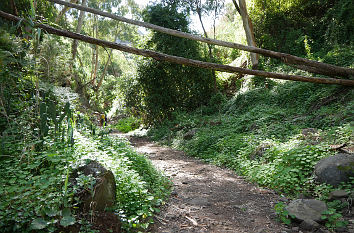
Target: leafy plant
{"x":127,"y":124}
{"x":282,"y":213}
{"x":169,"y":87}
{"x":333,"y":219}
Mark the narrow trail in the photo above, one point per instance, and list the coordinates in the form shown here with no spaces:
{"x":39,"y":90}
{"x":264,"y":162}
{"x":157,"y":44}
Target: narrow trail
{"x":207,"y":198}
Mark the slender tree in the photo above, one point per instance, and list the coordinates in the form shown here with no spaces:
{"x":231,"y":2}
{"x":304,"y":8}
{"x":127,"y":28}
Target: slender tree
{"x":80,"y":22}
{"x":247,"y":25}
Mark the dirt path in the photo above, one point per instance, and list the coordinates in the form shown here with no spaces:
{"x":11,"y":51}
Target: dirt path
{"x":207,"y":198}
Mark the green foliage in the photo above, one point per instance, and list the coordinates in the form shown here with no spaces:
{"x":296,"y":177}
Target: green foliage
{"x":140,"y":187}
{"x":38,"y":153}
{"x":127,"y":124}
{"x":282,"y":213}
{"x":26,"y":7}
{"x":215,"y":104}
{"x":304,"y":24}
{"x":167,"y":87}
{"x":333,"y":217}
{"x":31,"y":189}
{"x":258,"y":134}
{"x":18,"y":90}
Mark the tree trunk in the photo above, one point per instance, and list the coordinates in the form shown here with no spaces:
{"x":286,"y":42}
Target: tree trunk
{"x":247,"y":25}
{"x":94,"y":65}
{"x":322,"y":68}
{"x":106,"y":65}
{"x":94,"y":53}
{"x":99,"y":84}
{"x":64,"y":10}
{"x":199,"y":12}
{"x":80,"y":22}
{"x":180,"y":60}
{"x":13,"y":7}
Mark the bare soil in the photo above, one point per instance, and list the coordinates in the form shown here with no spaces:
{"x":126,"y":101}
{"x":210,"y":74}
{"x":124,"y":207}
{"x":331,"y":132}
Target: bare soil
{"x":207,"y":198}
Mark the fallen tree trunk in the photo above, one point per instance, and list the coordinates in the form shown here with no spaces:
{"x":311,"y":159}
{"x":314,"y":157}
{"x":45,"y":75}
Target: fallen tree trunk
{"x":180,"y":60}
{"x":317,"y":67}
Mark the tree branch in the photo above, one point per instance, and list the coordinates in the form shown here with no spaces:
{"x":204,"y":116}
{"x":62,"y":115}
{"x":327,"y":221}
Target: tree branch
{"x":322,"y":68}
{"x":180,"y":60}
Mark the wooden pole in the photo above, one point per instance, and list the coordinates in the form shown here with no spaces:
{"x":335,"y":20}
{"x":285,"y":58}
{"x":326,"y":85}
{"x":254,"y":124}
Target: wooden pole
{"x":313,"y":66}
{"x":180,"y":60}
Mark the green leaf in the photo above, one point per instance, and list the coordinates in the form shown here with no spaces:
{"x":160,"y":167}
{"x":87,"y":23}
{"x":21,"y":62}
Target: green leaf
{"x":51,"y":212}
{"x":67,"y":221}
{"x":66,"y":212}
{"x":38,"y":224}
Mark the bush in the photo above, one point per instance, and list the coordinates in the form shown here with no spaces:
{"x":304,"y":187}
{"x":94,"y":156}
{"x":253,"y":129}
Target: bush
{"x":258,"y":133}
{"x":318,"y":24}
{"x":169,"y":87}
{"x":127,"y":124}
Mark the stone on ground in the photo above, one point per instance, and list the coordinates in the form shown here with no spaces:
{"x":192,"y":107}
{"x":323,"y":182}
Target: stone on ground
{"x":309,"y":225}
{"x":104,"y":189}
{"x":335,"y":169}
{"x":338,"y":194}
{"x":307,"y":209}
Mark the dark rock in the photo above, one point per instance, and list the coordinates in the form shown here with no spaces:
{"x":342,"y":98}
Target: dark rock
{"x":306,"y":209}
{"x":190,"y":134}
{"x":338,"y":194}
{"x":335,"y":169}
{"x":104,"y":189}
{"x":341,"y":229}
{"x":309,"y":225}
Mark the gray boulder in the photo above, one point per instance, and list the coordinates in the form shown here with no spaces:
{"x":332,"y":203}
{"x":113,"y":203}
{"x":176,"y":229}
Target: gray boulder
{"x":335,"y":169}
{"x":307,"y":209}
{"x":338,"y":194}
{"x":102,"y":194}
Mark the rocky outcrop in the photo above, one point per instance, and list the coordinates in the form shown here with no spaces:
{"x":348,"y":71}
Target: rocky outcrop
{"x":307,"y":209}
{"x":102,"y":191}
{"x":335,"y":169}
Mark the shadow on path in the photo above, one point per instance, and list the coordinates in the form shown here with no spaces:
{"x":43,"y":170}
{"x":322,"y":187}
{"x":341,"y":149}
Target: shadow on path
{"x":207,"y":198}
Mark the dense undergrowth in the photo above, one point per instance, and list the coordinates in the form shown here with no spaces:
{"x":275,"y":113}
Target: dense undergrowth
{"x":274,"y":136}
{"x":35,"y":195}
{"x":43,"y":139}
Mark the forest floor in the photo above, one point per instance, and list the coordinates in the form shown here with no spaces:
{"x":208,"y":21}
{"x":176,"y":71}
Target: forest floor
{"x":206,"y":198}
